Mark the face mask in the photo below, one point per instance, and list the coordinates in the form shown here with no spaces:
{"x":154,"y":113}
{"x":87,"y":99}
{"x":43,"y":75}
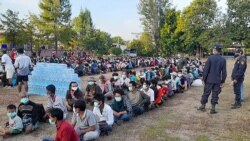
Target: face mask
{"x":116,"y":77}
{"x":24,"y":100}
{"x":96,"y":104}
{"x":123,"y":76}
{"x":130,"y":89}
{"x":52,"y":122}
{"x":144,"y":87}
{"x":118,"y":99}
{"x":74,"y":88}
{"x":91,"y":83}
{"x":11,"y":115}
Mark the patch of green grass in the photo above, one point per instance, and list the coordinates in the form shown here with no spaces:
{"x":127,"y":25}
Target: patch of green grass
{"x":159,"y":134}
{"x":202,"y":138}
{"x":238,"y":136}
{"x":158,"y":130}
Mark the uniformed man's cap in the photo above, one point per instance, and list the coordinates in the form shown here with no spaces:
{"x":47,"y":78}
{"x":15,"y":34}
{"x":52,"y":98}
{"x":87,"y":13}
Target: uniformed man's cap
{"x":240,"y":51}
{"x":217,"y":47}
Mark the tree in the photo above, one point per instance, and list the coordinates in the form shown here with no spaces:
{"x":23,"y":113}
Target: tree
{"x":116,"y":51}
{"x":172,"y":39}
{"x":152,"y":12}
{"x":54,"y":19}
{"x":144,"y":45}
{"x":199,"y":17}
{"x":238,"y":22}
{"x":118,"y":40}
{"x":84,"y":28}
{"x":12,"y":26}
{"x":99,"y":43}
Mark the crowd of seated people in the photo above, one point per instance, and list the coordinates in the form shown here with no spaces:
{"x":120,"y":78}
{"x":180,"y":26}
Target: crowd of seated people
{"x":104,"y":103}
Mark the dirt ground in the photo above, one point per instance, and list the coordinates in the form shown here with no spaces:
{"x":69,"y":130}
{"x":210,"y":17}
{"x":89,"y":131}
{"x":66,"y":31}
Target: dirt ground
{"x":176,"y":120}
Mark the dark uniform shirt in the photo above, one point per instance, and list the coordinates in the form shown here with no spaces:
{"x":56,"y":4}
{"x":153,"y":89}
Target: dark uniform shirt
{"x":215,"y":70}
{"x":239,"y":69}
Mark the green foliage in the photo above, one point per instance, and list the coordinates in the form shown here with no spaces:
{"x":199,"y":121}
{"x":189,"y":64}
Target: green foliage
{"x":118,"y":39}
{"x":199,"y":18}
{"x":12,"y":26}
{"x":144,"y":45}
{"x":172,"y":33}
{"x":152,"y":12}
{"x":54,"y":20}
{"x":238,"y":21}
{"x":83,"y":26}
{"x":116,"y":51}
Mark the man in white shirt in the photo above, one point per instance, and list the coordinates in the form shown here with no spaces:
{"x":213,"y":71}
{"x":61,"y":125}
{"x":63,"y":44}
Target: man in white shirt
{"x":54,"y":101}
{"x":148,"y":91}
{"x":124,"y":80}
{"x":22,"y":64}
{"x":9,"y":68}
{"x":104,"y":114}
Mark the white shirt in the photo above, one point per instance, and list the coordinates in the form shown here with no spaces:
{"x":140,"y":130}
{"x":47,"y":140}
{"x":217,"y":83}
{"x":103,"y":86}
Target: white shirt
{"x":106,"y":115}
{"x":59,"y":103}
{"x":23,"y":63}
{"x":16,"y":123}
{"x":7,"y":62}
{"x":126,"y":81}
{"x":151,"y":94}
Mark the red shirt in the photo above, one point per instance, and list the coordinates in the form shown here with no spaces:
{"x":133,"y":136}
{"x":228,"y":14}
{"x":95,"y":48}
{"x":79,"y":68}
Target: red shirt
{"x":66,"y":132}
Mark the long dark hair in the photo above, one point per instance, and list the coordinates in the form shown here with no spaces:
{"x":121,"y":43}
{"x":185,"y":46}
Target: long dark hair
{"x":71,"y":84}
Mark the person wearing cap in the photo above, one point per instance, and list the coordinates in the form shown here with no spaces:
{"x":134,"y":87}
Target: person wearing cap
{"x":237,"y":77}
{"x":92,"y":89}
{"x":214,"y":76}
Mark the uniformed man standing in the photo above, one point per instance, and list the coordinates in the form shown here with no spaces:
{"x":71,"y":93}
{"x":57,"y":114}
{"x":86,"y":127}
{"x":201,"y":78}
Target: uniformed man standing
{"x":237,"y":76}
{"x":214,"y":77}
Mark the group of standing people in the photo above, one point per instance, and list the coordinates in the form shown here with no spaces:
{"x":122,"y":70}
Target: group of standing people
{"x":215,"y":74}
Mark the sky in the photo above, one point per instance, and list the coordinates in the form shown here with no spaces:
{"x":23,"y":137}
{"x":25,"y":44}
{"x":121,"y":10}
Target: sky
{"x":117,"y":17}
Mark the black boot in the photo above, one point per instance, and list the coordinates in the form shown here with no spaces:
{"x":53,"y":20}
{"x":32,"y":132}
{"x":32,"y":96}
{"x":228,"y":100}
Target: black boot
{"x":202,"y":108}
{"x":237,"y":105}
{"x":213,"y":111}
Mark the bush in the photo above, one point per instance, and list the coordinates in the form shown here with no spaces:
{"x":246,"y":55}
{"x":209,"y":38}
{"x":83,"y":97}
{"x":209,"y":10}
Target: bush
{"x":116,"y":51}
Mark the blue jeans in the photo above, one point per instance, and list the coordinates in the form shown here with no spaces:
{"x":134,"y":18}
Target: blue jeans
{"x":48,"y":139}
{"x":124,"y":117}
{"x":242,"y":91}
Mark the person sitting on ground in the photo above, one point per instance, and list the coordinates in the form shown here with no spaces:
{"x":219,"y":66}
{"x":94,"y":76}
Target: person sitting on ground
{"x":153,"y":86}
{"x":148,"y":91}
{"x":121,"y":106}
{"x":132,"y":75}
{"x":65,"y":131}
{"x":105,"y":86}
{"x":84,"y":122}
{"x":14,"y":126}
{"x":54,"y":101}
{"x":183,"y":82}
{"x":139,"y":101}
{"x":72,"y":95}
{"x":92,"y":89}
{"x":28,"y":112}
{"x":124,"y":80}
{"x":104,"y":114}
{"x":118,"y":83}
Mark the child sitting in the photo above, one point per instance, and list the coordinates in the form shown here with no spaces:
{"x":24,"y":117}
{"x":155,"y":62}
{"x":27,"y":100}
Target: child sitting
{"x":15,"y":124}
